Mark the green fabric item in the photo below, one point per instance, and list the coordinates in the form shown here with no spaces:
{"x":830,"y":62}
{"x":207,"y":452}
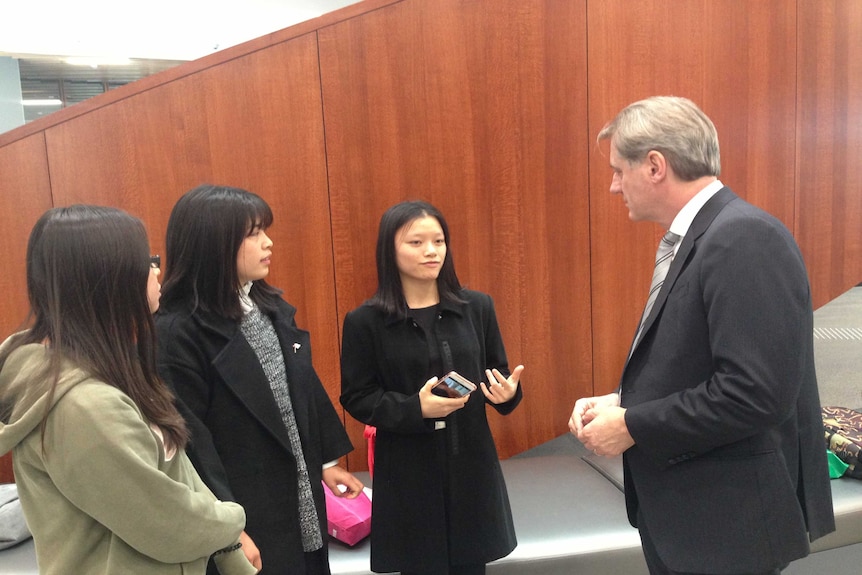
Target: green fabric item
{"x":836,"y":466}
{"x":96,"y":486}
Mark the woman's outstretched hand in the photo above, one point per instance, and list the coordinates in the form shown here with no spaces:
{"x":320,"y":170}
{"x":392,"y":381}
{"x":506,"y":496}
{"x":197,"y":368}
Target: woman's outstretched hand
{"x":500,"y":389}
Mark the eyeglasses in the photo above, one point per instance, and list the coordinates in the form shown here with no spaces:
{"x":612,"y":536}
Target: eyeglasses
{"x":155,"y":262}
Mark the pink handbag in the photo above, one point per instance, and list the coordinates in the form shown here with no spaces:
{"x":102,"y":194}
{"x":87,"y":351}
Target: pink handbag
{"x":348,"y":520}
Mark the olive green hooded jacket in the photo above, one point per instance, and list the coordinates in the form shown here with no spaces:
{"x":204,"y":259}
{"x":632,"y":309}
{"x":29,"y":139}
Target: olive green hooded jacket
{"x":97,"y":490}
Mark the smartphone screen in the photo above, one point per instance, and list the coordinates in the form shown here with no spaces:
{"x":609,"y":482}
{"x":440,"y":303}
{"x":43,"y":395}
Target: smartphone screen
{"x":452,"y":385}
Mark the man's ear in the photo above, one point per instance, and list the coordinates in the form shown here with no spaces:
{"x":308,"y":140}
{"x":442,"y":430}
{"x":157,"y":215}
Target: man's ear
{"x":657,"y":165}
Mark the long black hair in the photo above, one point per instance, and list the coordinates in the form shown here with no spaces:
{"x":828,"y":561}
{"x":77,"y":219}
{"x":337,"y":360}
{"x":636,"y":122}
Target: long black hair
{"x":205,"y":231}
{"x":389,"y":296}
{"x":87,"y":274}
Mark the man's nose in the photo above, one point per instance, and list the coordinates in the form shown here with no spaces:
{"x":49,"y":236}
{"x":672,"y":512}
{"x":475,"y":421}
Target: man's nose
{"x":616,"y":188}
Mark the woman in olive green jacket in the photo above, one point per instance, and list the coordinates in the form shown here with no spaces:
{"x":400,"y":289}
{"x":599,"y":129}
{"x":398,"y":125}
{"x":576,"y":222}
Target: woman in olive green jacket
{"x":98,"y":446}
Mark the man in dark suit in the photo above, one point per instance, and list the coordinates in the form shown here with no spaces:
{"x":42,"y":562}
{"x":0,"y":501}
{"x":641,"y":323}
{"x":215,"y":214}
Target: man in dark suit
{"x":717,"y":414}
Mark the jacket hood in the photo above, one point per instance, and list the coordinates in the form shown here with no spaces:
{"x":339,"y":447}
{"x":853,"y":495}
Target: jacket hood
{"x":24,"y":387}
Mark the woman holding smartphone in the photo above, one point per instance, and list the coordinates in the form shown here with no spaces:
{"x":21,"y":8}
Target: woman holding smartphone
{"x":440,"y":504}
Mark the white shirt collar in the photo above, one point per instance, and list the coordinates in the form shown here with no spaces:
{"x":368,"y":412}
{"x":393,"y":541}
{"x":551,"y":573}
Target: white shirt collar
{"x":689,"y":211}
{"x":244,"y":299}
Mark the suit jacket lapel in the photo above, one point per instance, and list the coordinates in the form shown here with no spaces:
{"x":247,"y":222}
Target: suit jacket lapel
{"x":699,"y":225}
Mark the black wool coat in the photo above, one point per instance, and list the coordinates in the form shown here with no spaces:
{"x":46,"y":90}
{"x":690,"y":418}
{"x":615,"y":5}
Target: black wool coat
{"x":421,"y":473}
{"x":240,"y":446}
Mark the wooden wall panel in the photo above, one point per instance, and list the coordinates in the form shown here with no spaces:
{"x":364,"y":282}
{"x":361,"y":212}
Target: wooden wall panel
{"x":480,"y":108}
{"x":736,"y":60}
{"x":26,"y":193}
{"x":254,"y":122}
{"x":829,"y":190}
{"x":215,"y":59}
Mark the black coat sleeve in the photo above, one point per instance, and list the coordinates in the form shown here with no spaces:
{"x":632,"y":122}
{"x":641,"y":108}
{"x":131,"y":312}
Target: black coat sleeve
{"x":181,"y":364}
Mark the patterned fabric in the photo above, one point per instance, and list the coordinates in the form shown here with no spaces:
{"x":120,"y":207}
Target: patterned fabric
{"x":663,"y":259}
{"x":260,"y":334}
{"x":843,"y":429}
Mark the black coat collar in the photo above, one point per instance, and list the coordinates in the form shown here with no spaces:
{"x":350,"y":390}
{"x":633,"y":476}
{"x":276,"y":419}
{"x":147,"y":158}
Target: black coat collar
{"x":284,"y":313}
{"x":445,"y":306}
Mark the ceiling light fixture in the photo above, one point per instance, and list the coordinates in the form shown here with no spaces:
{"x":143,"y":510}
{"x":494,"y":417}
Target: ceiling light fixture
{"x":95,"y":62}
{"x":48,"y":102}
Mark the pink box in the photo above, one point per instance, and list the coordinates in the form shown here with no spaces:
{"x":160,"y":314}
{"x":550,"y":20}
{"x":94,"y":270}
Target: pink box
{"x":348,"y":520}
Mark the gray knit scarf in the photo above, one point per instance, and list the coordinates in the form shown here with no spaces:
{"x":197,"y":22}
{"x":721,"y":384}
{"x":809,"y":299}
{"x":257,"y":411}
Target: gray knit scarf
{"x":260,"y":334}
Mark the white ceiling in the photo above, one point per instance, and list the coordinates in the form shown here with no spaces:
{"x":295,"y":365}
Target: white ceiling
{"x":153,"y":30}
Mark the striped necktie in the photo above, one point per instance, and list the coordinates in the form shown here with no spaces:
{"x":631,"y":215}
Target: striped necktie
{"x":663,"y":259}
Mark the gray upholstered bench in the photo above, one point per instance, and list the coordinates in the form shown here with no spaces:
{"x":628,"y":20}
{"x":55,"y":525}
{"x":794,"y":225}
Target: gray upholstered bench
{"x":569,"y":513}
{"x":568,"y":519}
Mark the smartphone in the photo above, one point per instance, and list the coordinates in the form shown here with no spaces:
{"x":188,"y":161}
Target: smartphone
{"x":453,"y":385}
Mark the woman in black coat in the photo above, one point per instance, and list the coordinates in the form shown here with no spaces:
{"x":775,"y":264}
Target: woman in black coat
{"x":264,"y":432}
{"x":440,"y":505}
